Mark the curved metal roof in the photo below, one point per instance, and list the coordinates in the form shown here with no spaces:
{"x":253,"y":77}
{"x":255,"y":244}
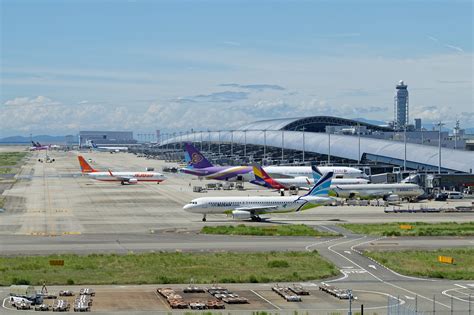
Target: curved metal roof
{"x":311,"y":123}
{"x":270,"y":124}
{"x":345,"y":146}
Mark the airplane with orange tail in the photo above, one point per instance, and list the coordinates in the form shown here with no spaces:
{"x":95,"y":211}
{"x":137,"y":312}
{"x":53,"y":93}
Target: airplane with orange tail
{"x":122,"y":177}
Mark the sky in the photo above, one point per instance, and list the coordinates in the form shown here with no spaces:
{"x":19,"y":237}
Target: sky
{"x":141,"y":65}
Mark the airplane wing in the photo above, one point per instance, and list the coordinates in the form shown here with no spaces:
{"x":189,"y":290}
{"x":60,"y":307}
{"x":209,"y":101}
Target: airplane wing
{"x":256,"y":209}
{"x":123,"y":178}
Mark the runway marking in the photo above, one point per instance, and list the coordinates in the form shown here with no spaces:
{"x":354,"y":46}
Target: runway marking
{"x":6,"y":307}
{"x":373,"y":266}
{"x":278,"y":308}
{"x":409,"y":297}
{"x":347,"y":251}
{"x":457,"y":290}
{"x":461,"y":286}
{"x":445,"y":292}
{"x":376,"y":277}
{"x":378,"y":263}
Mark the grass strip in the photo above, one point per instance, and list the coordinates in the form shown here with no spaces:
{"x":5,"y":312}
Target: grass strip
{"x":418,"y":229}
{"x":11,"y":158}
{"x":163,"y":268}
{"x":6,"y":170}
{"x":425,"y":263}
{"x":272,"y":230}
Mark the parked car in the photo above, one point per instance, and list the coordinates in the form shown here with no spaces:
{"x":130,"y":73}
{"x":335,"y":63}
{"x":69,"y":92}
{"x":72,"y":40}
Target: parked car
{"x":455,"y":195}
{"x":441,"y":197}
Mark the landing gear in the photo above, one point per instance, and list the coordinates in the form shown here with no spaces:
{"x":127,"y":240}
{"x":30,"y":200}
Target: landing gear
{"x":204,"y":218}
{"x":256,"y":218}
{"x":122,"y":182}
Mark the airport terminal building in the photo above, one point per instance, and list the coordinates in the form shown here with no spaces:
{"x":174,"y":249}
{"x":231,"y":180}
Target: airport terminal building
{"x":106,"y":137}
{"x":333,"y":140}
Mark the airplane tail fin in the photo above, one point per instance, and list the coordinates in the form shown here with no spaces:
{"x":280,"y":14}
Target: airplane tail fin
{"x":85,"y":167}
{"x":321,"y":186}
{"x":317,"y":174}
{"x":93,"y":144}
{"x":34,"y":144}
{"x":197,"y":160}
{"x":259,"y":173}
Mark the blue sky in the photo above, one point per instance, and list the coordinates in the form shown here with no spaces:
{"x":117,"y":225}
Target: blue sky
{"x":176,"y":65}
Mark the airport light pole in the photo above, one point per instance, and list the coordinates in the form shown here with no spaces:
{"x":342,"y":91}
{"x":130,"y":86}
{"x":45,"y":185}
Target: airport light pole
{"x":303,"y":142}
{"x":219,"y":132}
{"x":349,"y":293}
{"x":358,"y":135}
{"x":440,"y":125}
{"x":282,"y":145}
{"x":201,"y":139}
{"x":456,"y":131}
{"x":405,"y":147}
{"x":209,"y":138}
{"x":232,"y":143}
{"x":264,"y":144}
{"x":329,"y":146}
{"x":245,"y":143}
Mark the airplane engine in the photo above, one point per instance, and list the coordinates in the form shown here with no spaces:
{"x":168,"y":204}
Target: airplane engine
{"x":241,"y":215}
{"x":391,"y":198}
{"x":133,"y":181}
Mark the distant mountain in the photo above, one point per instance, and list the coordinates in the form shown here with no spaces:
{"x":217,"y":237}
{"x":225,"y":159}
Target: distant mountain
{"x":43,"y":139}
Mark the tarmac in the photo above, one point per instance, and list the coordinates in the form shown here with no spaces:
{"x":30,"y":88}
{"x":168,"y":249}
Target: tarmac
{"x":52,"y":208}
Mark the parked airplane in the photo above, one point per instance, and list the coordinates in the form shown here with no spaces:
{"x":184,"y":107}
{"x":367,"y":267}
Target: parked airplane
{"x":244,"y":208}
{"x":390,"y":192}
{"x":200,"y":166}
{"x":107,"y":149}
{"x":37,"y":146}
{"x":122,"y":177}
{"x":301,"y":182}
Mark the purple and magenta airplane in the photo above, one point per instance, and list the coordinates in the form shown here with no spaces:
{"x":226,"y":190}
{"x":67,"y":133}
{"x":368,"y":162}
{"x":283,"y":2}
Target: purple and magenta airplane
{"x":198,"y":165}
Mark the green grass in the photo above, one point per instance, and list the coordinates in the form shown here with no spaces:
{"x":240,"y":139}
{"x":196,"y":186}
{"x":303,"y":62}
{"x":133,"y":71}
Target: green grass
{"x":2,"y":201}
{"x":425,"y":263}
{"x":11,"y":158}
{"x":271,"y":230}
{"x":162,"y":268}
{"x":419,"y":229}
{"x":6,"y":170}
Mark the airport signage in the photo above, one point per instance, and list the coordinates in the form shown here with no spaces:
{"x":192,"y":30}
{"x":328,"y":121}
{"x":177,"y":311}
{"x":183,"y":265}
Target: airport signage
{"x":446,"y":259}
{"x":406,"y":227}
{"x":56,"y":262}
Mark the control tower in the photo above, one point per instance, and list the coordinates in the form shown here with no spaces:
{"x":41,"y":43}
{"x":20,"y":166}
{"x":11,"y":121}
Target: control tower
{"x":401,"y":105}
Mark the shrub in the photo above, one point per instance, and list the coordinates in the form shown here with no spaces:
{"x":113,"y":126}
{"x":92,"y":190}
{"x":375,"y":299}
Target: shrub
{"x":253,"y":279}
{"x":20,"y":281}
{"x":70,"y":281}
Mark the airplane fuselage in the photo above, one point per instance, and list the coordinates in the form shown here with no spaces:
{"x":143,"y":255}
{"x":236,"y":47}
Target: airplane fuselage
{"x":378,"y":190}
{"x":214,"y":205}
{"x":245,"y":173}
{"x":139,"y":176}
